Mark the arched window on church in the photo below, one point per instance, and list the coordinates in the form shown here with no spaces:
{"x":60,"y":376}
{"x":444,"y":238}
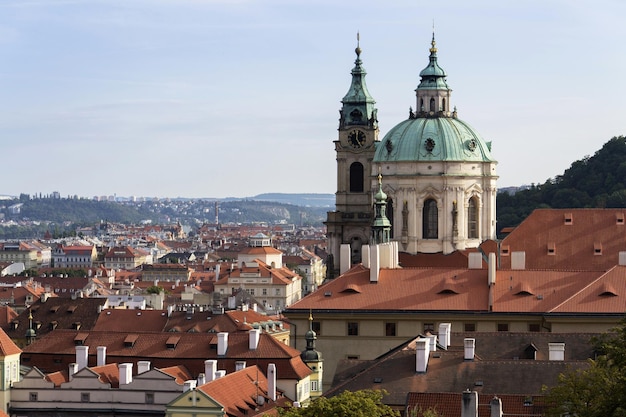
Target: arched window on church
{"x":443,"y":104}
{"x":432,"y":104}
{"x":389,"y":214}
{"x":422,"y":104}
{"x":430,"y":220}
{"x":356,"y":177}
{"x":472,"y":218}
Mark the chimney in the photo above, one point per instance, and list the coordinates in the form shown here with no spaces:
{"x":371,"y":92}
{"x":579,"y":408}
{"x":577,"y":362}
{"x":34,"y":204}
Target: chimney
{"x":73,"y":368}
{"x":239,"y":365}
{"x":189,"y":385}
{"x":271,"y":381}
{"x":222,"y":343}
{"x":491,"y":271}
{"x":366,"y":256}
{"x":475,"y":260}
{"x":255,"y":334}
{"x":469,"y":404}
{"x":444,"y":334}
{"x":469,"y":348}
{"x":421,"y":354}
{"x":126,"y":373}
{"x":143,"y":366}
{"x":255,"y":307}
{"x":102,"y":355}
{"x":170,"y":310}
{"x":210,"y":366}
{"x":201,"y":379}
{"x":518,"y":260}
{"x":432,"y":339}
{"x":82,"y":353}
{"x":557,"y":351}
{"x":220,"y":373}
{"x":344,"y":258}
{"x":496,"y":407}
{"x":374,"y":263}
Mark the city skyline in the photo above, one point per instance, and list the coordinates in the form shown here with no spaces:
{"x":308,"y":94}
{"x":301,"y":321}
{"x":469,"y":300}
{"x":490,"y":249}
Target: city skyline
{"x":216,"y":99}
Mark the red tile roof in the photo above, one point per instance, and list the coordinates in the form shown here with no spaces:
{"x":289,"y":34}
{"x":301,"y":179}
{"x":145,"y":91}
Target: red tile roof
{"x":572,"y":233}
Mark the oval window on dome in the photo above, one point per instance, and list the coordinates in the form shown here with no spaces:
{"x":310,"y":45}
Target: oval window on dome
{"x":429,"y":144}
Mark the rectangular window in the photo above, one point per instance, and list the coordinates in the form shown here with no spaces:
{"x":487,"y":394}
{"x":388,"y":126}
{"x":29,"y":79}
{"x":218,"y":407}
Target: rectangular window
{"x":84,"y":397}
{"x":32,"y":396}
{"x":277,"y":291}
{"x":353,"y":328}
{"x":469,"y":327}
{"x":149,"y":397}
{"x":429,"y":328}
{"x":503,"y":327}
{"x":314,"y":386}
{"x":534,"y":327}
{"x":390,"y":329}
{"x":264,"y":291}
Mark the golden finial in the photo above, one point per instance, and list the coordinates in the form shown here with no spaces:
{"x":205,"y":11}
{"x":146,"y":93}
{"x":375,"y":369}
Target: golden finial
{"x":310,"y":315}
{"x":433,"y":49}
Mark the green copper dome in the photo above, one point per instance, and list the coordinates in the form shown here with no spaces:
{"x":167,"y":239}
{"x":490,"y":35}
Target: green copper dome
{"x":432,"y":132}
{"x":433,"y":139}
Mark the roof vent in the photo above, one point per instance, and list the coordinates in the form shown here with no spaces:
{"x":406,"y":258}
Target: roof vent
{"x":568,"y":218}
{"x":328,"y":294}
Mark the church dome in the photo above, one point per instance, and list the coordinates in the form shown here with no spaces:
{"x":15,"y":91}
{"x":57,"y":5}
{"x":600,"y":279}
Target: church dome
{"x":429,"y":139}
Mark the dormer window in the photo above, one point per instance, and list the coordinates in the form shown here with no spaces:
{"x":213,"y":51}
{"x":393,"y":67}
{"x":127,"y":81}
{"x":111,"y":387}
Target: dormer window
{"x":551,"y":248}
{"x":619,"y":218}
{"x":597,"y":248}
{"x":568,"y":219}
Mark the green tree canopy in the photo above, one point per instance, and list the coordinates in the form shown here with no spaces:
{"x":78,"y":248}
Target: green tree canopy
{"x":600,"y":389}
{"x":365,"y":403}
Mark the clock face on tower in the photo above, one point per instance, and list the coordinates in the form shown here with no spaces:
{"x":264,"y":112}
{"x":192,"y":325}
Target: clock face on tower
{"x":356,"y":139}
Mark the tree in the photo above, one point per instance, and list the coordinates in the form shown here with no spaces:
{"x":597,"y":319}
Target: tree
{"x":364,"y":403}
{"x":600,"y":389}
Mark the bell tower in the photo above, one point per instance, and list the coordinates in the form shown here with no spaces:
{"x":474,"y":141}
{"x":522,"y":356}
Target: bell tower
{"x":355,"y":146}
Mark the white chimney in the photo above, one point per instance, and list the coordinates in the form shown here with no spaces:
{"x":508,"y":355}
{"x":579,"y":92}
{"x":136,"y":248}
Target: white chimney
{"x":366,"y":256}
{"x":201,"y":379}
{"x":255,"y":307}
{"x":101,"y":355}
{"x":469,"y":346}
{"x":82,"y":355}
{"x":239,"y":365}
{"x":421,"y":354}
{"x":345,"y":260}
{"x":444,"y":335}
{"x":496,"y":407}
{"x":556,"y":351}
{"x":518,"y":260}
{"x":73,"y":368}
{"x":255,"y":334}
{"x":475,"y":260}
{"x":170,"y":310}
{"x":189,"y":385}
{"x":220,"y":373}
{"x":222,"y":343}
{"x":271,"y":381}
{"x":374,"y":263}
{"x":126,"y":373}
{"x":432,"y":342}
{"x":491,"y":272}
{"x":210,"y":366}
{"x":143,"y":366}
{"x":469,"y":404}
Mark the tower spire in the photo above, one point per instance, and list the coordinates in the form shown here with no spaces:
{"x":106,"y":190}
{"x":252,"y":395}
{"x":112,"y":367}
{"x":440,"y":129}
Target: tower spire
{"x":381,"y":228}
{"x":358,"y":104}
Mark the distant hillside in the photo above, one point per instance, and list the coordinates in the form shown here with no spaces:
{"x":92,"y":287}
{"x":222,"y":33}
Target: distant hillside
{"x":595,"y":181}
{"x":304,"y":200}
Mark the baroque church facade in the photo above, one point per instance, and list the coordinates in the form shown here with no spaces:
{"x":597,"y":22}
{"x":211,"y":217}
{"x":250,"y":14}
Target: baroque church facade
{"x":438,"y":174}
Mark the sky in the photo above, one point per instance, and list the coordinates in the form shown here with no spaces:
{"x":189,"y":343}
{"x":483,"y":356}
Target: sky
{"x":233,"y":98}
